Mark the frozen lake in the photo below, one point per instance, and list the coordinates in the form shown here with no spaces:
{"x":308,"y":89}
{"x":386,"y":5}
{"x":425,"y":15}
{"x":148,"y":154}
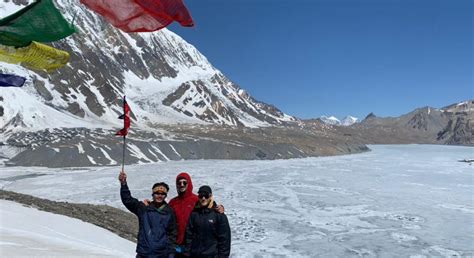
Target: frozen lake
{"x":399,"y":200}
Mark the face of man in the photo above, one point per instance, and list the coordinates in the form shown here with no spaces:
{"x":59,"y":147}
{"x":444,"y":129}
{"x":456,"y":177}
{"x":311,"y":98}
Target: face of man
{"x":204,"y":198}
{"x":159,"y":194}
{"x":182,"y":185}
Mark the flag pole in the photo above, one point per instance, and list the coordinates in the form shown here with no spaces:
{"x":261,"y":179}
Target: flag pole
{"x":123,"y":152}
{"x":126,"y":124}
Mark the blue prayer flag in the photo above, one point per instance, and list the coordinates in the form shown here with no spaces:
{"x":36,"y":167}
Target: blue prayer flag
{"x":10,"y":80}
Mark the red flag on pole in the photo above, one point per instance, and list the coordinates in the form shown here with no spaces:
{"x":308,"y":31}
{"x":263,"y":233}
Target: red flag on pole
{"x":141,"y":15}
{"x":126,"y":119}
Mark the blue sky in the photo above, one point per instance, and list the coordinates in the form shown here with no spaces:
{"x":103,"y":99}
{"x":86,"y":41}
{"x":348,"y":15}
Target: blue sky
{"x":340,"y":57}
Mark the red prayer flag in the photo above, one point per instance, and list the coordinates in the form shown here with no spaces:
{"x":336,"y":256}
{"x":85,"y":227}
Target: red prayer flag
{"x":126,"y":119}
{"x":141,"y":15}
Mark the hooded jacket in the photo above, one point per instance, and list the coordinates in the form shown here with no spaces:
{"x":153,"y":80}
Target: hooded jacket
{"x":183,"y":205}
{"x":157,"y":226}
{"x":208,"y":233}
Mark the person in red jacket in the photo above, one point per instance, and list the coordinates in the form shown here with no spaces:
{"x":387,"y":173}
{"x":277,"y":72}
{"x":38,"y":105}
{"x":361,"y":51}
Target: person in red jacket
{"x":183,"y":205}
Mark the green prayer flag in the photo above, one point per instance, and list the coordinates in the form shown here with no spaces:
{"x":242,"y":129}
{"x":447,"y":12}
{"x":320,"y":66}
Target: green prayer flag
{"x":39,"y":21}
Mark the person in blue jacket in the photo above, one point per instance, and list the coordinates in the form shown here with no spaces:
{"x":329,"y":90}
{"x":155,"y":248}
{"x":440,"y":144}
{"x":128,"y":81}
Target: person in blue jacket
{"x":157,"y":222}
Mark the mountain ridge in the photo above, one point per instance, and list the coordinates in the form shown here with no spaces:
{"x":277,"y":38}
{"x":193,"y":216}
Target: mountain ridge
{"x":164,"y":78}
{"x":182,"y":108}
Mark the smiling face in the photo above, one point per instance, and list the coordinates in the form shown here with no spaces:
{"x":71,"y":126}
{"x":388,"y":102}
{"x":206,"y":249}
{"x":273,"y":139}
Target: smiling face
{"x":159,"y":197}
{"x":159,"y":194}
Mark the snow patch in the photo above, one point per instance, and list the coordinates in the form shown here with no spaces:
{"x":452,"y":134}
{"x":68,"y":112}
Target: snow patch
{"x":28,"y":232}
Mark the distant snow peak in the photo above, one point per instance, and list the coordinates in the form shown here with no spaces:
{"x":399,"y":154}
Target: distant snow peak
{"x":349,"y":120}
{"x":463,"y":106}
{"x":332,"y":120}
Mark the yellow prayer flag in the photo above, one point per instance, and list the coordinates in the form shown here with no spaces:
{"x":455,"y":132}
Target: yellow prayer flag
{"x":35,"y":56}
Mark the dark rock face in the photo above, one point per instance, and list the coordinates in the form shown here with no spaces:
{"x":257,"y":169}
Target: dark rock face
{"x":41,"y":89}
{"x":170,"y":99}
{"x":425,"y":119}
{"x":370,"y":116}
{"x":459,"y":130}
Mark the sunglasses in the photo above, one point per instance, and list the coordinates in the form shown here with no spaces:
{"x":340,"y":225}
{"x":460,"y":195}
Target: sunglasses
{"x":159,"y":193}
{"x":205,"y":195}
{"x":183,"y":183}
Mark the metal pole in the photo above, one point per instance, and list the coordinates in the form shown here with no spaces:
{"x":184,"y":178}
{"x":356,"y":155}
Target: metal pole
{"x":123,"y":154}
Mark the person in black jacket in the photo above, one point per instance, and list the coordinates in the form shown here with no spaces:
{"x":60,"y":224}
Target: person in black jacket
{"x":208,"y":231}
{"x":157,"y":222}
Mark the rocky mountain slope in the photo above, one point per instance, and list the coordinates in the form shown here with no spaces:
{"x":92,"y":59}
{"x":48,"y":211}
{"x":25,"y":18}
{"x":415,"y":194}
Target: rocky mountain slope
{"x":69,"y":117}
{"x":63,"y":147}
{"x":460,"y":127}
{"x":450,"y":125}
{"x":165,"y":79}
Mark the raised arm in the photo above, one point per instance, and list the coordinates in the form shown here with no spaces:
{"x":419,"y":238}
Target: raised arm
{"x":131,"y":203}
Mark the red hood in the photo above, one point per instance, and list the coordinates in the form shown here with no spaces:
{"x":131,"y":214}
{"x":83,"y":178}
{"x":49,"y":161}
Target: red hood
{"x":189,"y":188}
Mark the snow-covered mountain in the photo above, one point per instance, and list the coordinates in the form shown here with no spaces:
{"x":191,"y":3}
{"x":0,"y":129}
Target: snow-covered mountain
{"x":166,"y":80}
{"x":349,"y":120}
{"x":466,"y":106}
{"x":332,"y":120}
{"x":182,"y":106}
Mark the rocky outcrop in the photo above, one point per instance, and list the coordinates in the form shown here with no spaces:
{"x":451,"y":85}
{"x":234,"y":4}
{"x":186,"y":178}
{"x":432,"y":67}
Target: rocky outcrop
{"x":460,"y":128}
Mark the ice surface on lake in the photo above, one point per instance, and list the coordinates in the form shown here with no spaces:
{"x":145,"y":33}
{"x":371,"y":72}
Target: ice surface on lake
{"x":399,"y":200}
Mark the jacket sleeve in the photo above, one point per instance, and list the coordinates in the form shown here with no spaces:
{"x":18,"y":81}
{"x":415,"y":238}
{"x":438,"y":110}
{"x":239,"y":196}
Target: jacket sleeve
{"x":188,"y":238}
{"x":131,"y":203}
{"x":223,"y":236}
{"x":172,"y":232}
